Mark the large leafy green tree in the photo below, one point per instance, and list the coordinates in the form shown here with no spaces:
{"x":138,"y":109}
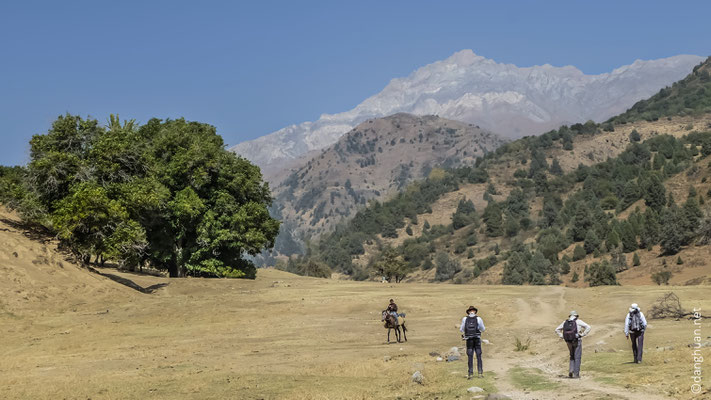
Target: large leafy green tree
{"x":166,"y":193}
{"x":216,"y":210}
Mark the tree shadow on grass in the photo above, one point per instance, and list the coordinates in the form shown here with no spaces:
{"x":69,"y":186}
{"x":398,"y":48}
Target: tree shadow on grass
{"x":127,"y":282}
{"x":44,"y":236}
{"x":30,"y":231}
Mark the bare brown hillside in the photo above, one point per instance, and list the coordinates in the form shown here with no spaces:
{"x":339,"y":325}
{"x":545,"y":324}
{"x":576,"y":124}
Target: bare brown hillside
{"x":35,"y":273}
{"x":377,"y":158}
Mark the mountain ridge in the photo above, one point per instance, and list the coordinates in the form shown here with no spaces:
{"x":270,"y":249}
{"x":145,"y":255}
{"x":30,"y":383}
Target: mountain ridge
{"x":510,"y":100}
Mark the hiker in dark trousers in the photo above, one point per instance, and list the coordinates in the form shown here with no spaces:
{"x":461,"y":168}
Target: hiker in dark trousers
{"x":635,"y":325}
{"x":471,"y":328}
{"x":572,"y":330}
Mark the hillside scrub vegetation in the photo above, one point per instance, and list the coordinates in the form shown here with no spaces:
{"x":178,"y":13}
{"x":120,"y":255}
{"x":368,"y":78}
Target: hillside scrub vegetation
{"x":587,"y":216}
{"x":605,"y":210}
{"x":164,"y":194}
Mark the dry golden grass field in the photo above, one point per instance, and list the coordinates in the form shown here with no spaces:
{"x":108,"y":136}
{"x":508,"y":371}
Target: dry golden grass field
{"x":68,"y":333}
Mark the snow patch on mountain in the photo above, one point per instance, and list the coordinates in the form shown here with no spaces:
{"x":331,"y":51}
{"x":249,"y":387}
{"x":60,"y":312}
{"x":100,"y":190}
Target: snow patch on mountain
{"x":506,"y":99}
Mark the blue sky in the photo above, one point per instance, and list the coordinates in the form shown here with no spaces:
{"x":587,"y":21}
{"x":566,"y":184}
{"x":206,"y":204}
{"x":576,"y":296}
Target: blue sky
{"x":250,"y":68}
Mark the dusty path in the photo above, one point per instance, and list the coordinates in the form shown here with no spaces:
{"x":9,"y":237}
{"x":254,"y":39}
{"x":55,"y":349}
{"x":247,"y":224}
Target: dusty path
{"x":552,"y":360}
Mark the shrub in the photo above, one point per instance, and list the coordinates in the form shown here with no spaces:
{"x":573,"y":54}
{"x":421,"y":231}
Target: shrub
{"x":579,"y":253}
{"x":446,"y":267}
{"x":592,"y":242}
{"x":564,"y":267}
{"x":662,"y":277}
{"x":635,"y":260}
{"x":634,"y":136}
{"x":522,"y":346}
{"x":600,"y":274}
{"x":460,"y":248}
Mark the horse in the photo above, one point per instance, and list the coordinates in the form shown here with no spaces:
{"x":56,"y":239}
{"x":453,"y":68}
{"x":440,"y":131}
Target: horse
{"x":390,"y":322}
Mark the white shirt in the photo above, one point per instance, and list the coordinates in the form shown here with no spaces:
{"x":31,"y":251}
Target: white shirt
{"x":583,"y":328}
{"x":464,"y":321}
{"x":627,"y":322}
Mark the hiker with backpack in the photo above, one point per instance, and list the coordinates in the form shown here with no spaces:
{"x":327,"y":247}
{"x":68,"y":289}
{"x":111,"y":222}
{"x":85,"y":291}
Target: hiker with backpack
{"x":635,"y":325}
{"x":572,"y":330}
{"x":471,"y":328}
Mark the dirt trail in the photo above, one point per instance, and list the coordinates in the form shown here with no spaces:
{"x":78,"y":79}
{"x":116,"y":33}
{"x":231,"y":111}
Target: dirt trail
{"x":546,"y":311}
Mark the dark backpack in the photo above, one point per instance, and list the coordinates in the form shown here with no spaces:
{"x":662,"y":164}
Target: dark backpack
{"x":635,"y":321}
{"x":471,"y":327}
{"x":570,"y":330}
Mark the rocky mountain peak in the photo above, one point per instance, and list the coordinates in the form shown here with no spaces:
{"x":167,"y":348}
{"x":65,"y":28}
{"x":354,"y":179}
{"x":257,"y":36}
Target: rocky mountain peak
{"x":506,"y":99}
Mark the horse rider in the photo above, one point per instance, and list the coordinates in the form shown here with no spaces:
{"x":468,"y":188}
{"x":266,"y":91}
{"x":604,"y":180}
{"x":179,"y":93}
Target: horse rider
{"x":392,"y":309}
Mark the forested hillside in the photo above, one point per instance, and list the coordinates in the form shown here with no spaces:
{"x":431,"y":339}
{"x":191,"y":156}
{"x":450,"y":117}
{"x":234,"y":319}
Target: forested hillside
{"x":577,"y":205}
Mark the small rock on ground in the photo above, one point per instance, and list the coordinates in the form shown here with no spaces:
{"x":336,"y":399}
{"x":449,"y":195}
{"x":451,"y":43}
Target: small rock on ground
{"x":417,"y":377}
{"x":453,"y":354}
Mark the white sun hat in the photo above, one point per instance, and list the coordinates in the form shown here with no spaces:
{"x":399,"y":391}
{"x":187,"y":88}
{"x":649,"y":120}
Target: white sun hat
{"x":633,"y":307}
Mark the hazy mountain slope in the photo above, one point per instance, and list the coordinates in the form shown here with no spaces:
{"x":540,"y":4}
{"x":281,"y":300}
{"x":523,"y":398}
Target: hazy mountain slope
{"x":375,"y":159}
{"x":504,"y":98}
{"x":689,"y":96}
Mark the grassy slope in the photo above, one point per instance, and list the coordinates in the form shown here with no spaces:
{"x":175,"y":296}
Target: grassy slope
{"x":287,"y":337}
